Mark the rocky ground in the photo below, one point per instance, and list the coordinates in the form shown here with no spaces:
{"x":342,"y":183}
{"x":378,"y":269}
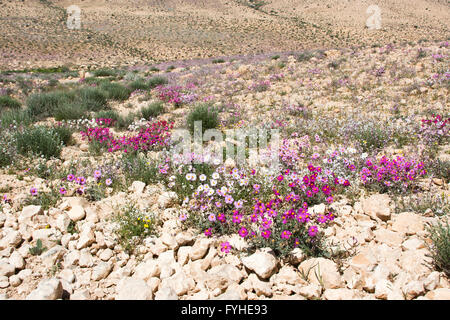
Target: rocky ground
{"x":381,"y":250}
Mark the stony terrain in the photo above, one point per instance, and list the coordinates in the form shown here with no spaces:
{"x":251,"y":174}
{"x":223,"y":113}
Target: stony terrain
{"x":117,"y":32}
{"x":379,"y":249}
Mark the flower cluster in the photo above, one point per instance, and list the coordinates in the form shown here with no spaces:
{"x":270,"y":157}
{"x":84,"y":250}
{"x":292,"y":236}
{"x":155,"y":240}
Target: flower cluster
{"x":157,"y":134}
{"x":398,"y":173}
{"x":260,"y":86}
{"x":265,"y":209}
{"x":177,"y":95}
{"x":435,"y":131}
{"x":105,"y":122}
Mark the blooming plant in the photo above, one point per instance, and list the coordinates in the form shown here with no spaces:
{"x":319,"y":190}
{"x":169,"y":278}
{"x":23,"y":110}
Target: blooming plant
{"x":435,"y":131}
{"x":265,"y":209}
{"x":397,"y":174}
{"x":155,"y":135}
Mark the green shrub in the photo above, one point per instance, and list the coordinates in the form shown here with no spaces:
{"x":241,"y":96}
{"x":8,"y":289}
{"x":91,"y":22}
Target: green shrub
{"x":275,"y":57}
{"x":155,"y":81}
{"x":104,"y":72}
{"x":14,"y":116}
{"x":45,"y":104}
{"x":124,"y":121}
{"x":139,"y":84}
{"x":137,"y":168}
{"x":440,"y":247}
{"x":108,"y":114}
{"x":70,"y":111}
{"x":305,"y":56}
{"x":116,"y":91}
{"x":204,"y":113}
{"x":39,"y":141}
{"x":92,"y":99}
{"x":218,"y":61}
{"x":152,"y":110}
{"x":38,"y":249}
{"x":8,"y":102}
{"x":64,"y":134}
{"x":170,"y":68}
{"x":133,"y":226}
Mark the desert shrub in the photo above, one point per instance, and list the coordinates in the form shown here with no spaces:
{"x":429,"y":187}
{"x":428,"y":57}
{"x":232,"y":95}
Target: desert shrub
{"x":170,"y":68}
{"x":92,"y":99}
{"x":133,"y":226}
{"x":64,"y":134}
{"x":155,"y":81}
{"x":7,"y":149}
{"x":124,"y":122}
{"x":15,"y":116}
{"x":152,"y":110}
{"x":8,"y":102}
{"x":104,"y":72}
{"x":275,"y":57}
{"x":440,"y":247}
{"x":69,"y":111}
{"x":370,"y":135}
{"x":45,"y":104}
{"x":107,"y":114}
{"x":45,"y":199}
{"x":218,"y":61}
{"x":139,"y":84}
{"x":116,"y":91}
{"x":39,"y":141}
{"x":305,"y":56}
{"x":205,"y":113}
{"x":137,"y":168}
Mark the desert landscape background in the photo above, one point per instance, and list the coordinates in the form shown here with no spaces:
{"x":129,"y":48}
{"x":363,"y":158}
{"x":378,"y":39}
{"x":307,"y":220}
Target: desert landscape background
{"x":35,"y":33}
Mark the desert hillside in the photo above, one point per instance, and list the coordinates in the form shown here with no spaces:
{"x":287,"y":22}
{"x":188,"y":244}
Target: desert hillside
{"x":34,"y":33}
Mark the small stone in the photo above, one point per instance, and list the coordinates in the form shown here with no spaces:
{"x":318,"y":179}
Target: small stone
{"x":50,"y":257}
{"x":76,"y":213}
{"x":311,"y":291}
{"x":166,"y":293}
{"x":17,"y":260}
{"x":137,"y":187}
{"x":148,"y":269}
{"x":67,"y":275}
{"x":28,"y":213}
{"x":391,"y":238}
{"x":133,"y":289}
{"x":414,"y":289}
{"x":183,"y":255}
{"x":15,"y":281}
{"x":262,"y":263}
{"x":340,"y":294}
{"x":439,"y":294}
{"x":432,"y":281}
{"x":6,"y":269}
{"x":321,"y":271}
{"x":106,"y":254}
{"x":199,"y":249}
{"x":297,"y":256}
{"x":87,"y":237}
{"x":101,"y":271}
{"x":179,"y":282}
{"x":383,"y":288}
{"x":4,"y":282}
{"x":82,"y":294}
{"x":377,"y":206}
{"x":50,"y":289}
{"x":407,"y":223}
{"x":86,"y":260}
{"x":413,"y":244}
